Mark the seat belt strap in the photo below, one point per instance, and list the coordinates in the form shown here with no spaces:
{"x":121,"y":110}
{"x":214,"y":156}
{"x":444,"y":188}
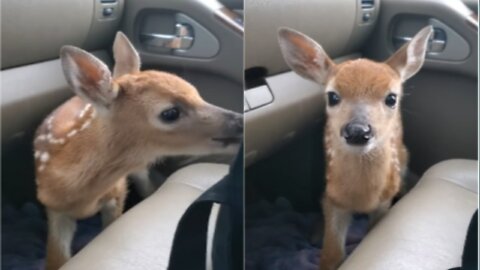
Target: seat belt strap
{"x":190,"y":241}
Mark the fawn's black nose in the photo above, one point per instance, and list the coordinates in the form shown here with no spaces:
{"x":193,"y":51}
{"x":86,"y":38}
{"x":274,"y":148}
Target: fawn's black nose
{"x":356,"y":133}
{"x":235,"y":123}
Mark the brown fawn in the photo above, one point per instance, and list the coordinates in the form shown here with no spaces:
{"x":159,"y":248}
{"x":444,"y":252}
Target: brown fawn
{"x":365,"y":154}
{"x":113,"y":126}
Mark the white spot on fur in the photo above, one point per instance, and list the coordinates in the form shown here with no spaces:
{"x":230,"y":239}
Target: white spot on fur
{"x":86,"y":124}
{"x":331,"y":153}
{"x":56,"y":141}
{"x":44,"y":157}
{"x":72,"y":133}
{"x":42,"y":137}
{"x":85,"y":110}
{"x":49,"y":123}
{"x":52,"y":140}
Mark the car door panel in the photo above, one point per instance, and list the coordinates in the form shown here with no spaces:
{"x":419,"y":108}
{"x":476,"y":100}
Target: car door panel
{"x":213,"y":61}
{"x":440,"y":102}
{"x":417,"y":14}
{"x":78,"y":22}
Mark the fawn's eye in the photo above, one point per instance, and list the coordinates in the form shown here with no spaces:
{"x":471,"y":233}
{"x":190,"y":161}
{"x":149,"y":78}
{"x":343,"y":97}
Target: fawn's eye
{"x":333,"y":99}
{"x":391,"y":100}
{"x":170,"y":115}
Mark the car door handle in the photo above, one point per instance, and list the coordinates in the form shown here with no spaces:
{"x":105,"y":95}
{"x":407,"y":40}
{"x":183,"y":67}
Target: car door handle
{"x":181,"y":40}
{"x":436,"y":43}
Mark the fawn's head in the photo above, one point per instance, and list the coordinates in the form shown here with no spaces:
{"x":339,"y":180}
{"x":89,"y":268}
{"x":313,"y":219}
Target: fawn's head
{"x":156,"y":109}
{"x":362,"y":96}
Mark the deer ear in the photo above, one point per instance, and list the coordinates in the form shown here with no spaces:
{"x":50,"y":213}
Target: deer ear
{"x":408,"y":60}
{"x":88,"y":76}
{"x":304,"y":56}
{"x":125,"y":55}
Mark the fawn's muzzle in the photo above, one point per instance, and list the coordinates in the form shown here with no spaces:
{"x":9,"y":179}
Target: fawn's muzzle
{"x":357,"y":133}
{"x":232,"y":130}
{"x":235,"y":123}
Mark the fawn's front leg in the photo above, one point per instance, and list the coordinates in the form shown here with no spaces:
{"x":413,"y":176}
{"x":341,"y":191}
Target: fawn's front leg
{"x":336,"y":222}
{"x":142,"y":182}
{"x":61,"y":229}
{"x":114,"y":203}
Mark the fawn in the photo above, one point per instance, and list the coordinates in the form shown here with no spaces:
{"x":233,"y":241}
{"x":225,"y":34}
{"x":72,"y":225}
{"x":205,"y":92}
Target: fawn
{"x":113,"y":126}
{"x":365,"y":154}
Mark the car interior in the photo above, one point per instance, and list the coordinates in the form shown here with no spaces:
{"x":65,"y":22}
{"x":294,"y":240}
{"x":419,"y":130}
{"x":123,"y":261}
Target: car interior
{"x":200,"y":41}
{"x":284,"y":118}
{"x":229,"y":50}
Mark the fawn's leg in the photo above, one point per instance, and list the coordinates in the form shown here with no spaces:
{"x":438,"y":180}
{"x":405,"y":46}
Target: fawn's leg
{"x":142,"y":182}
{"x":61,"y":229}
{"x":336,"y":225}
{"x":114,"y":203}
{"x":378,"y":213}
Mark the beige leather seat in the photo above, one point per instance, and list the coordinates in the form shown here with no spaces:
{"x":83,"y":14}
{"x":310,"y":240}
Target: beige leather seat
{"x":142,"y":237}
{"x":426,"y":229}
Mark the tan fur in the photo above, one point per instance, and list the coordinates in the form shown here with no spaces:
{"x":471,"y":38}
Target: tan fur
{"x":364,"y":79}
{"x":85,"y":148}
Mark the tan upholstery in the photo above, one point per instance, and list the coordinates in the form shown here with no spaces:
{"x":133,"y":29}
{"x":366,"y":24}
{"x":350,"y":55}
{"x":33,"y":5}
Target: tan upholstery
{"x":142,"y":237}
{"x":426,"y":229}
